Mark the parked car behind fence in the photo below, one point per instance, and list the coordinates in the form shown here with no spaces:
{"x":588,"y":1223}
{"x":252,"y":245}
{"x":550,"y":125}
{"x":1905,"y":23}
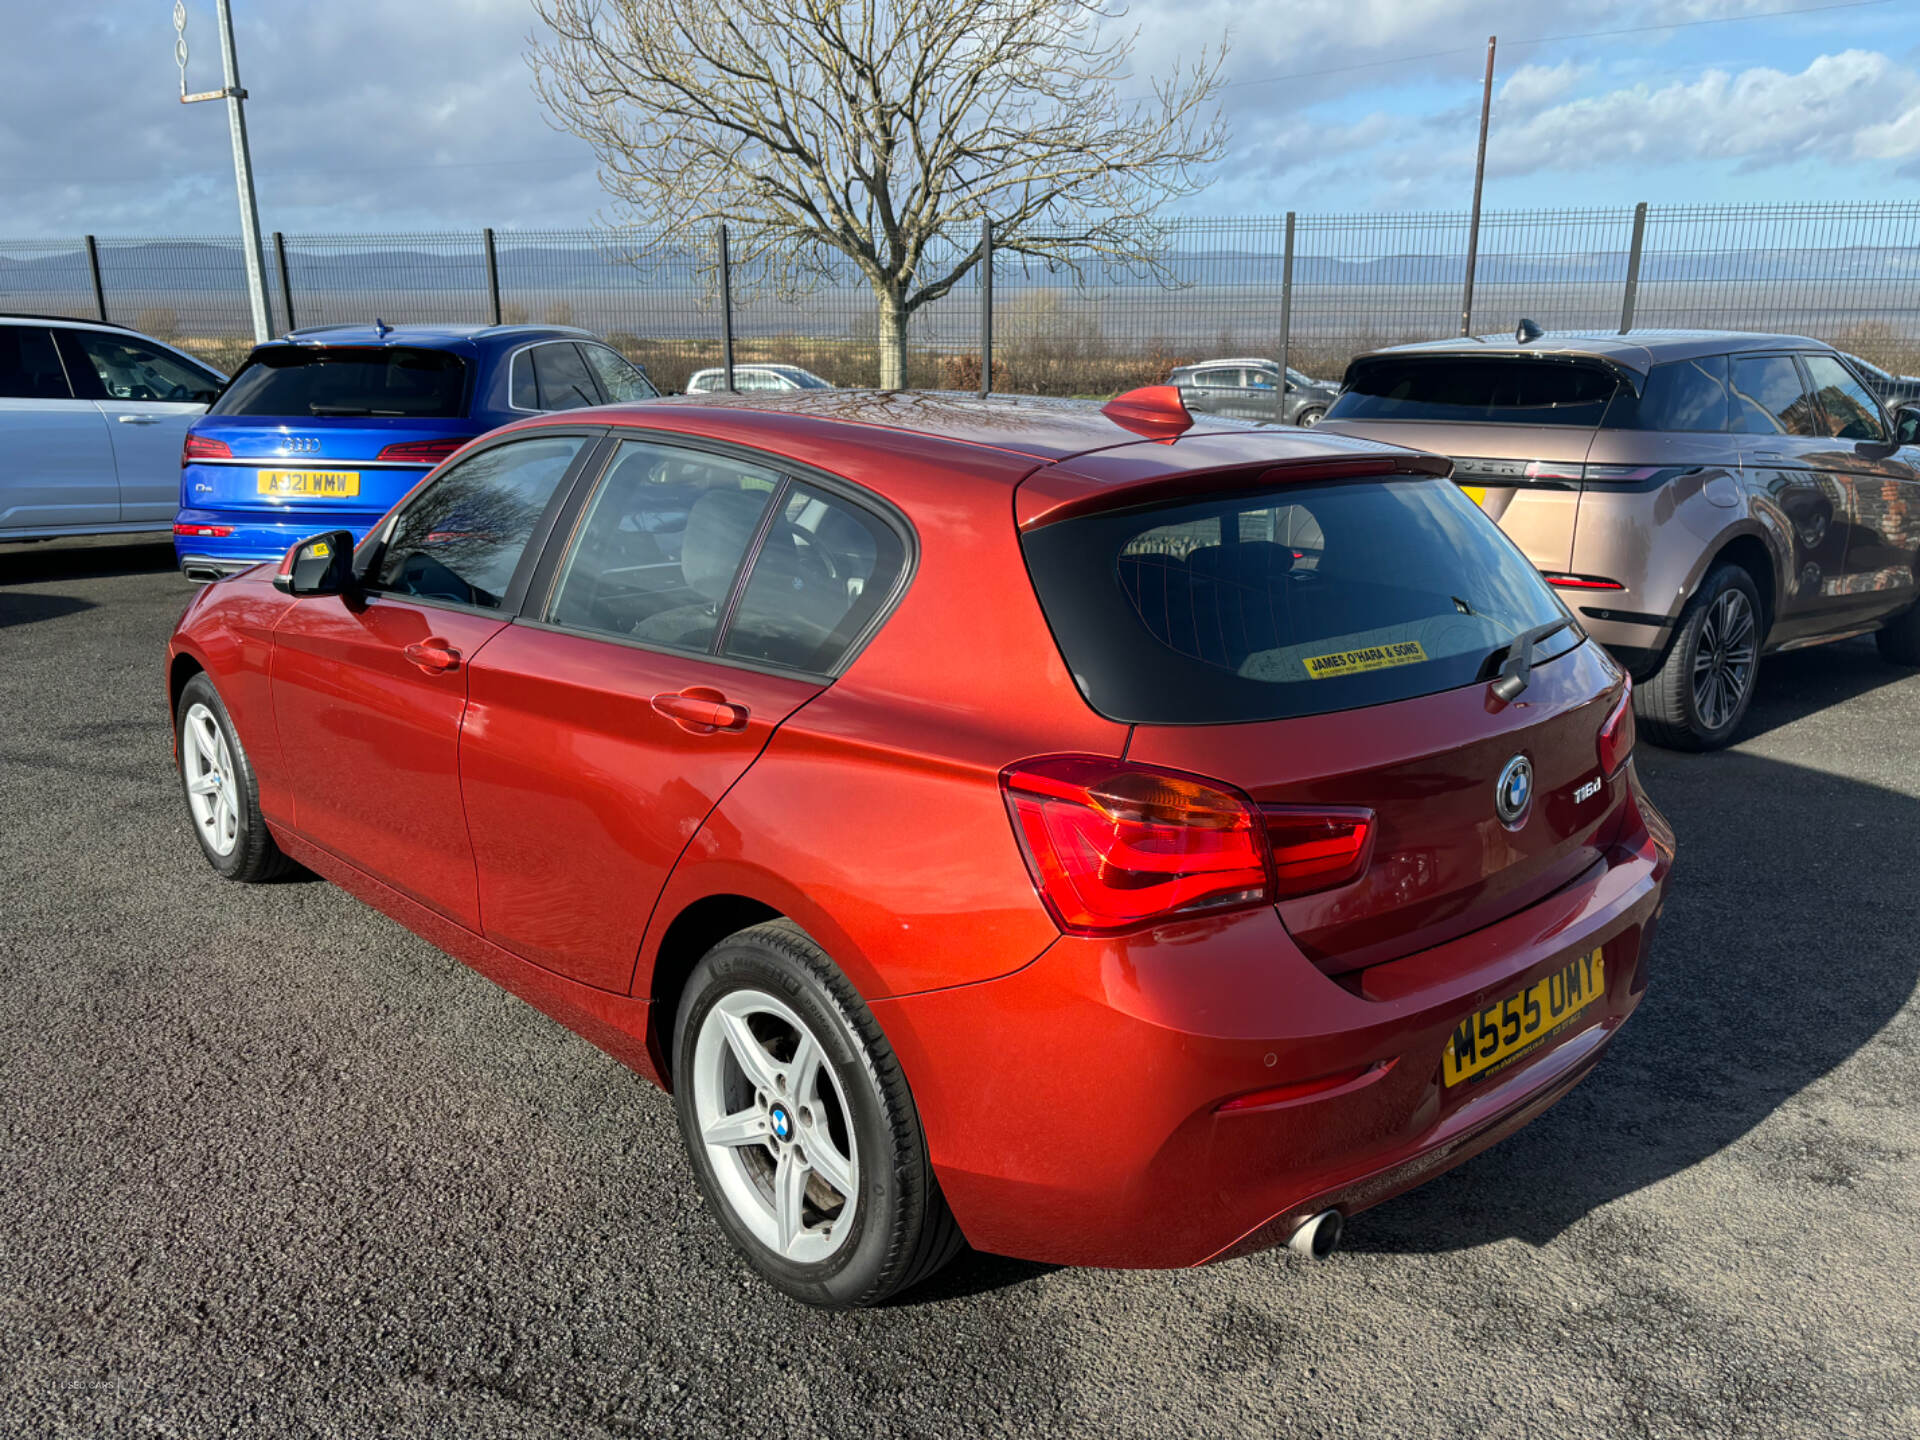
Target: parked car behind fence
{"x":1243,"y":388}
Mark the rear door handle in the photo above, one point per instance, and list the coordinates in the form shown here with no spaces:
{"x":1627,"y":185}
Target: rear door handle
{"x":700,"y":710}
{"x":434,"y":656}
{"x":138,"y":419}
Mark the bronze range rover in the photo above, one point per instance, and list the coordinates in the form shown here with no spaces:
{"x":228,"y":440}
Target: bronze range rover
{"x":1698,"y":498}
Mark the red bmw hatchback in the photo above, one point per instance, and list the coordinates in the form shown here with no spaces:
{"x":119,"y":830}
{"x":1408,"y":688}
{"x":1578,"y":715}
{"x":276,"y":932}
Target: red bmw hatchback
{"x":1106,"y":837}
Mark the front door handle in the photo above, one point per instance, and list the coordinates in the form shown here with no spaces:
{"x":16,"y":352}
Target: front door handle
{"x":138,"y":419}
{"x":433,"y":655}
{"x":700,"y":710}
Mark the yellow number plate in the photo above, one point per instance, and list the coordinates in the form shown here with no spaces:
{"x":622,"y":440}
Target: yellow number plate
{"x":1502,"y":1033}
{"x":311,"y":484}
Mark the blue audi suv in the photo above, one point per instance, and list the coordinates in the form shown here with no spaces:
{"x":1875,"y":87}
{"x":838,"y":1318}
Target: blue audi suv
{"x":326,"y":428}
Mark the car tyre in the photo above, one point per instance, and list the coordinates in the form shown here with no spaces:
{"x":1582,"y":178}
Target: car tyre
{"x":1899,"y":638}
{"x":217,"y":782}
{"x":775,"y":1056}
{"x":1310,"y":416}
{"x":1700,"y":694}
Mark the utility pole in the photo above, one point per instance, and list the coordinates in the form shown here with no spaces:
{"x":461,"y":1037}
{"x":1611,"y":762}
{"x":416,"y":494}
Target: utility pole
{"x":235,"y":97}
{"x":1479,"y":179}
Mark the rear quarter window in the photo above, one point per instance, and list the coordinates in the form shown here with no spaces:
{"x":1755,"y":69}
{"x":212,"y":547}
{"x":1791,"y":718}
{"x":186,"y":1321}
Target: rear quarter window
{"x":1520,"y":390}
{"x":1295,"y":601}
{"x":348,"y":380}
{"x":1679,"y":395}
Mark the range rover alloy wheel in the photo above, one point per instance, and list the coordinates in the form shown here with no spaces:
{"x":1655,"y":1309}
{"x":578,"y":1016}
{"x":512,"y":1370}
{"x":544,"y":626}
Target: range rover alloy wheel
{"x":1700,"y":694}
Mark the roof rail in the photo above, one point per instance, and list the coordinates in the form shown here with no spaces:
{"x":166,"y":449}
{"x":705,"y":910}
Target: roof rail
{"x":69,"y":319}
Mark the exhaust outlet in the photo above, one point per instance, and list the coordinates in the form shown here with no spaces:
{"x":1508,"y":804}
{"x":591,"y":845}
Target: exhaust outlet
{"x":1318,"y":1236}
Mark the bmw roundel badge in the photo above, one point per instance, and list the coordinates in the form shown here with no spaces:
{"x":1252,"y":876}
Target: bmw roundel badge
{"x":1514,"y":790}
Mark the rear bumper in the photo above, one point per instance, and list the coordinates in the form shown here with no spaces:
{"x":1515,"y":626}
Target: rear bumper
{"x":256,"y":536}
{"x":1073,"y":1108}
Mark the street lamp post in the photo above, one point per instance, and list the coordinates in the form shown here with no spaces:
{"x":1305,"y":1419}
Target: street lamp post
{"x":235,"y":97}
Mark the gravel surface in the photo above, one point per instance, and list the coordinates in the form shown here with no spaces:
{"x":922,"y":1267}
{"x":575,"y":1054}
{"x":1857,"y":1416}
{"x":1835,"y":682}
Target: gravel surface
{"x":274,"y":1166}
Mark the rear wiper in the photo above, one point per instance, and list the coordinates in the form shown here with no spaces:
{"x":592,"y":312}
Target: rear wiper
{"x":1518,"y":668}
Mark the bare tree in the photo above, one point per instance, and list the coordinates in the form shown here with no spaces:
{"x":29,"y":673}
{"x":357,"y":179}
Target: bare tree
{"x":868,"y":129}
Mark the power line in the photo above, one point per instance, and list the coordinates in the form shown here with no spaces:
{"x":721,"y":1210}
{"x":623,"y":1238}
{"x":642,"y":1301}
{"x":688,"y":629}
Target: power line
{"x":1551,"y":39}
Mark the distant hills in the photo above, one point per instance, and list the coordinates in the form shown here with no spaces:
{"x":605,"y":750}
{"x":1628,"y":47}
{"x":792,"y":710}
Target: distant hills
{"x":449,"y":263}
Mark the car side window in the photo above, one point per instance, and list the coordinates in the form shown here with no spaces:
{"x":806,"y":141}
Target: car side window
{"x":562,"y":377}
{"x":1850,"y":412}
{"x":617,"y":375}
{"x":1216,"y":377}
{"x":131,"y":369}
{"x":1684,"y":395}
{"x":461,"y":538}
{"x":662,"y":541}
{"x":1769,"y":398}
{"x":30,"y":366}
{"x":824,"y":570}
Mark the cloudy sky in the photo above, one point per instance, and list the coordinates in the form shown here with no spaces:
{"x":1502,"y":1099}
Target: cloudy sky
{"x":401,"y":115}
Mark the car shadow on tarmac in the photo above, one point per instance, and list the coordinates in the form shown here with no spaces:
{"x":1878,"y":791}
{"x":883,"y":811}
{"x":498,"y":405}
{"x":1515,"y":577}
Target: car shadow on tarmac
{"x":27,"y":608}
{"x":83,"y":558}
{"x":1787,"y":946}
{"x":1803,"y":682}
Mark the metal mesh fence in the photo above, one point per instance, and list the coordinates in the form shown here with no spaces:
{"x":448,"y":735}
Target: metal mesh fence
{"x":1214,"y":288}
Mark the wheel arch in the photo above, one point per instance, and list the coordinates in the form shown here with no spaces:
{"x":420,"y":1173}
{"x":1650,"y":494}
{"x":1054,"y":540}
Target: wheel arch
{"x":181,"y":668}
{"x":1752,"y":555}
{"x":697,"y":928}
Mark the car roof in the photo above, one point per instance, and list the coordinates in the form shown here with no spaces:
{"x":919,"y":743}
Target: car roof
{"x":1638,"y":350}
{"x":429,"y":336}
{"x":15,"y":316}
{"x":1000,"y":440}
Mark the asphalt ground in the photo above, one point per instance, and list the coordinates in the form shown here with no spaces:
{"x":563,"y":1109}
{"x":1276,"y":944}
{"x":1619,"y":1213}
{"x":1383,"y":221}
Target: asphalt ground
{"x":273,"y":1166}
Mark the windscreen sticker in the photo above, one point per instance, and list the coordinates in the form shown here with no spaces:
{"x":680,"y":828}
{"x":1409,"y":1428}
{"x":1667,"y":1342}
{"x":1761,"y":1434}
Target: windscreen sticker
{"x":1372,"y":657}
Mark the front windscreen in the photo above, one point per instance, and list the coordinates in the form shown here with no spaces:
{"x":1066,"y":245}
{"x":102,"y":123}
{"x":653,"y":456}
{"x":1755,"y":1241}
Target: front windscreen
{"x":348,"y":380}
{"x":1293,"y":601}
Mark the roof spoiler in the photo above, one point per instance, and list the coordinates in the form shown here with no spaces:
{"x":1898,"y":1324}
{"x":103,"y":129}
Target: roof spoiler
{"x":1056,"y":493}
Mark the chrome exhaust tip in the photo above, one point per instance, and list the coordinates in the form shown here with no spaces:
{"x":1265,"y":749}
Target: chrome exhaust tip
{"x":1318,"y":1236}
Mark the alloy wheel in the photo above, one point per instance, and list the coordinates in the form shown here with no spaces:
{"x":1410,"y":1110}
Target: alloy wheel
{"x":207,"y":765}
{"x":776,"y":1128}
{"x":1723,"y":660}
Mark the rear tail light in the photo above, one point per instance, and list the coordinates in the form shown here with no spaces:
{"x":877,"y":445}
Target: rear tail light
{"x":1616,"y":735}
{"x":1580,"y":582}
{"x":1317,"y":848}
{"x":423,"y":452}
{"x":214,"y":531}
{"x":1555,"y":470}
{"x":204,"y":447}
{"x":1113,"y":846}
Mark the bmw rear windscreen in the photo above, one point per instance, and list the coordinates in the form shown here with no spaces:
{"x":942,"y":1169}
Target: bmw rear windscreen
{"x":1293,"y":601}
{"x":347,"y":380}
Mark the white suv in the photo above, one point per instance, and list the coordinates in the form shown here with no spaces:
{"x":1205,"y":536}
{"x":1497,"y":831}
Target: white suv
{"x":757,"y":378}
{"x":92,"y":418}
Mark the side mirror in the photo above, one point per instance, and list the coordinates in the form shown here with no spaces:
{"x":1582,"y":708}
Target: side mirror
{"x":318,"y":565}
{"x":1906,"y":423}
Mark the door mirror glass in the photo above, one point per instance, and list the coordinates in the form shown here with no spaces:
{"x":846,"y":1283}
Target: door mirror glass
{"x":319,"y":565}
{"x":1906,"y":424}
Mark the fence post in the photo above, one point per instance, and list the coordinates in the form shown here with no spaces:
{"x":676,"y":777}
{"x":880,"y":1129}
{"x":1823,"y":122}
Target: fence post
{"x":986,"y":307}
{"x":93,"y":264}
{"x":493,"y":274}
{"x":726,"y":309}
{"x":1633,"y":267}
{"x":286,"y":285}
{"x":1286,"y":324}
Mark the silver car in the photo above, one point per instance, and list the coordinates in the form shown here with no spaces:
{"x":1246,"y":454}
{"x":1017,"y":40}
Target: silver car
{"x":756,"y":378}
{"x":1244,"y":388}
{"x":92,"y":418}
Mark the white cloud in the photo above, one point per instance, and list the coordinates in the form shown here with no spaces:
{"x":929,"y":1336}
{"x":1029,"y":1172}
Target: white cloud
{"x":1847,"y":108}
